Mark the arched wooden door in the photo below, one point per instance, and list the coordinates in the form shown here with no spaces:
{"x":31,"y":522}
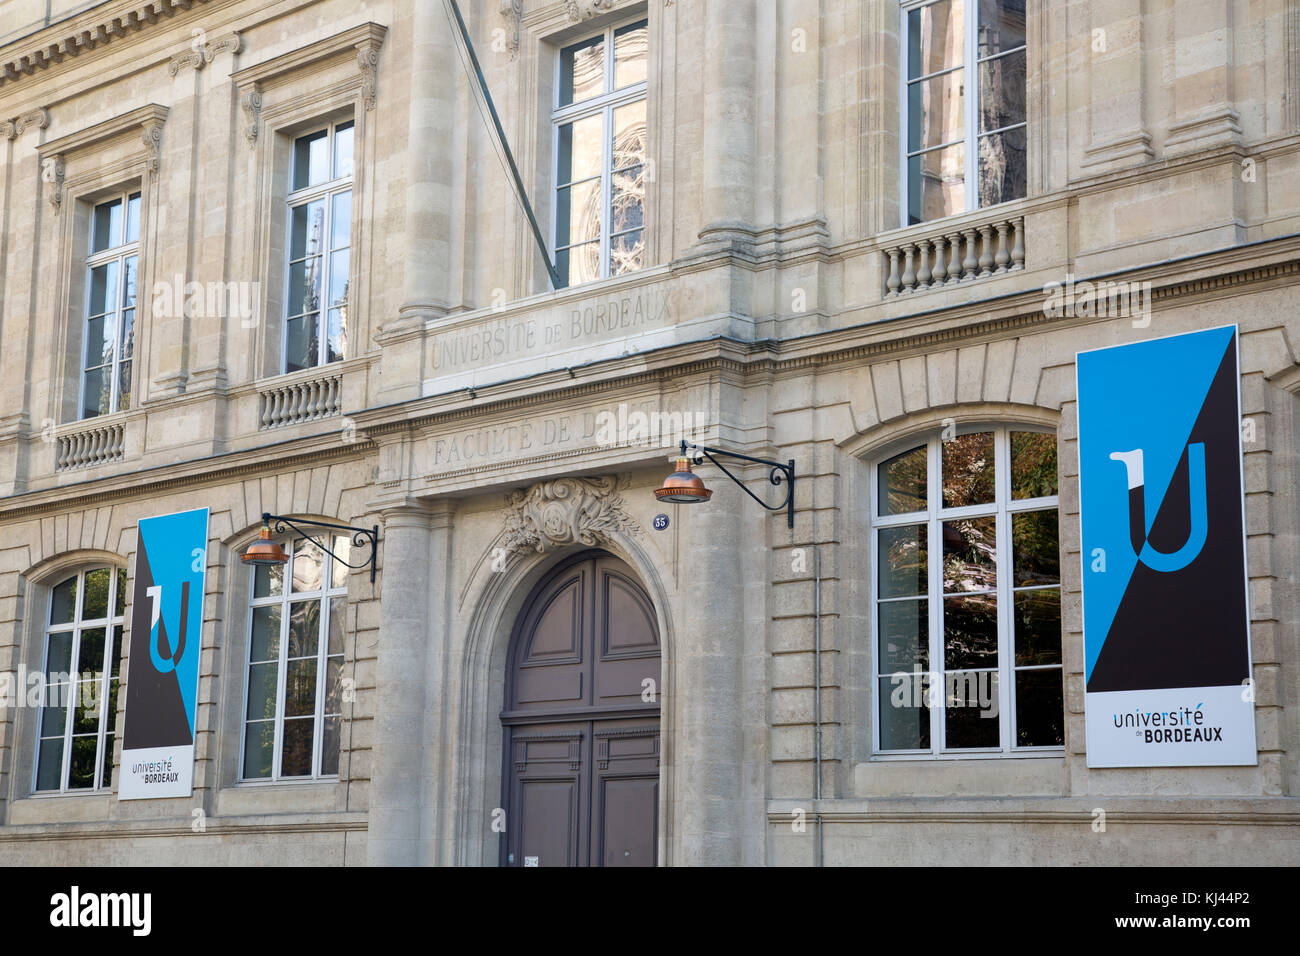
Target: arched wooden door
{"x":581,"y":721}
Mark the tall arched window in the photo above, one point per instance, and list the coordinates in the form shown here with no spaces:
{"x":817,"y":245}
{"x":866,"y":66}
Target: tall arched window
{"x":79,"y":703}
{"x":293,"y":694}
{"x":966,"y":621}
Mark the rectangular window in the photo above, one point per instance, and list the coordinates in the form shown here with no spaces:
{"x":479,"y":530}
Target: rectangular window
{"x":320,"y":238}
{"x":79,"y":703}
{"x":112,"y":264}
{"x":967,"y":604}
{"x":600,"y":155}
{"x":963,"y":106}
{"x":294,"y":692}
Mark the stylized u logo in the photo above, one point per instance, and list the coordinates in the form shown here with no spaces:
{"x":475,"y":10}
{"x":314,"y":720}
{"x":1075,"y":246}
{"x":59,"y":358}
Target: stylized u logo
{"x":164,"y":664}
{"x":1198,"y":519}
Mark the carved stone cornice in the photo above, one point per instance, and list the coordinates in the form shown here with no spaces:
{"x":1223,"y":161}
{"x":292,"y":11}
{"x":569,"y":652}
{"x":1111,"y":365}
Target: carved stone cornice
{"x":361,"y":43}
{"x":202,"y":53}
{"x":563,"y":512}
{"x":98,"y":26}
{"x":148,"y":120}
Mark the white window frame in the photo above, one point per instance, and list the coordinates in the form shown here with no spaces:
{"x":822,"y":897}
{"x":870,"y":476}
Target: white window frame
{"x":970,"y":113}
{"x":606,"y":103}
{"x":75,"y":627}
{"x":933,"y":517}
{"x":325,"y":191}
{"x":94,"y":260}
{"x":285,"y":601}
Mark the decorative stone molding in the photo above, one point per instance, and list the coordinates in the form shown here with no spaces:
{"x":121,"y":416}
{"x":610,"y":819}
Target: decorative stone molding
{"x":368,"y":64}
{"x":152,"y":139}
{"x":190,"y":58}
{"x":79,"y":34}
{"x":1129,"y":149}
{"x":586,"y":9}
{"x":200,"y":54}
{"x":250,"y":101}
{"x":53,"y":169}
{"x":563,"y":512}
{"x":230,"y":43}
{"x":39,"y":118}
{"x":512,"y":11}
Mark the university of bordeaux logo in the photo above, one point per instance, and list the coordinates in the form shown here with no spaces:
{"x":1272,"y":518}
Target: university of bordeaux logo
{"x":1199,"y":519}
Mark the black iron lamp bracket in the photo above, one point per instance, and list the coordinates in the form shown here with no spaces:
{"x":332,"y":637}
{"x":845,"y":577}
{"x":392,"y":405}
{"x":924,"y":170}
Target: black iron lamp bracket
{"x":361,"y":537}
{"x":780,"y":474}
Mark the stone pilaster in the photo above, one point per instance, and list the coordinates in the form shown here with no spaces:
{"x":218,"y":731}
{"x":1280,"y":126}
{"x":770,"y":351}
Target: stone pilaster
{"x":730,"y":120}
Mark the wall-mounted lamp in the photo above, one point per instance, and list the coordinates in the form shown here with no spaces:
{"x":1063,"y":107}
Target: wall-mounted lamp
{"x":685,"y":487}
{"x":264,"y":552}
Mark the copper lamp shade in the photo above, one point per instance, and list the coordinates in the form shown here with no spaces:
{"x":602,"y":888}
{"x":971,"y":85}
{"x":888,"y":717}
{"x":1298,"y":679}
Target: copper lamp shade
{"x":264,"y":552}
{"x":683,"y":486}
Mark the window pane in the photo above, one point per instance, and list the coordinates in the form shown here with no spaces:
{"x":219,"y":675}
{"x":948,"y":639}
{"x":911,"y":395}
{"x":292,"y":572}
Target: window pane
{"x":626,"y":252}
{"x":904,"y":713}
{"x":1033,"y":465}
{"x":63,"y":604}
{"x":903,"y":557}
{"x":935,"y":37}
{"x":123,"y":386}
{"x":338,"y":282}
{"x":1002,"y":91}
{"x":578,"y":213}
{"x":304,"y":629}
{"x":579,"y":264}
{"x":311,"y":160}
{"x":902,"y":481}
{"x":305,"y":286}
{"x":333,"y":685}
{"x":96,"y":400}
{"x":628,"y":144}
{"x":341,"y":220}
{"x":268,"y":581}
{"x":307,"y":560}
{"x":92,"y":651}
{"x":630,"y":45}
{"x":95,"y":598}
{"x":582,"y":70}
{"x":970,"y":555}
{"x":110,"y":713}
{"x":103,"y":287}
{"x":1002,"y":26}
{"x":1038,"y":627}
{"x":1040,"y":708}
{"x":1036,"y":557}
{"x":936,"y":184}
{"x":971,"y":712}
{"x":295,"y":755}
{"x":336,"y":340}
{"x":970,"y":631}
{"x":1002,"y":166}
{"x":627,"y":199}
{"x":342,"y":548}
{"x":54,"y":715}
{"x":129,"y":280}
{"x":936,"y":110}
{"x":128,"y":333}
{"x":86,"y":706}
{"x":58,"y":655}
{"x":120,"y":600}
{"x":107,"y":768}
{"x":306,"y":224}
{"x":579,"y":154}
{"x":904,"y":636}
{"x":106,"y":227}
{"x":338,"y":624}
{"x":300,"y":346}
{"x":49,"y":767}
{"x":133,"y":218}
{"x":261,"y":691}
{"x":343,"y":136}
{"x":329,"y":746}
{"x":117,"y":652}
{"x":300,"y":688}
{"x":265,"y":641}
{"x":968,"y":470}
{"x":100,"y":333}
{"x":259,"y":745}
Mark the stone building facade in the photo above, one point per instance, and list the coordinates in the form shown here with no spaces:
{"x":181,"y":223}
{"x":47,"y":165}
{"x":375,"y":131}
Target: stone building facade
{"x":795,"y":278}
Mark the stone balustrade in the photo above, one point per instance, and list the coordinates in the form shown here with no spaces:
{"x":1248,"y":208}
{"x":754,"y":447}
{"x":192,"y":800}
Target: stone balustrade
{"x":302,"y":401}
{"x":96,"y":444}
{"x":949,"y":258}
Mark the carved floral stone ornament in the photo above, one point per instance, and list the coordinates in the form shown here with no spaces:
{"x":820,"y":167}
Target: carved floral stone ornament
{"x":564,"y":512}
{"x":586,"y":9}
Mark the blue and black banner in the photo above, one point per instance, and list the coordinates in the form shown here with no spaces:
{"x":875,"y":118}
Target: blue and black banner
{"x":1165,"y":617}
{"x":162,"y":679}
